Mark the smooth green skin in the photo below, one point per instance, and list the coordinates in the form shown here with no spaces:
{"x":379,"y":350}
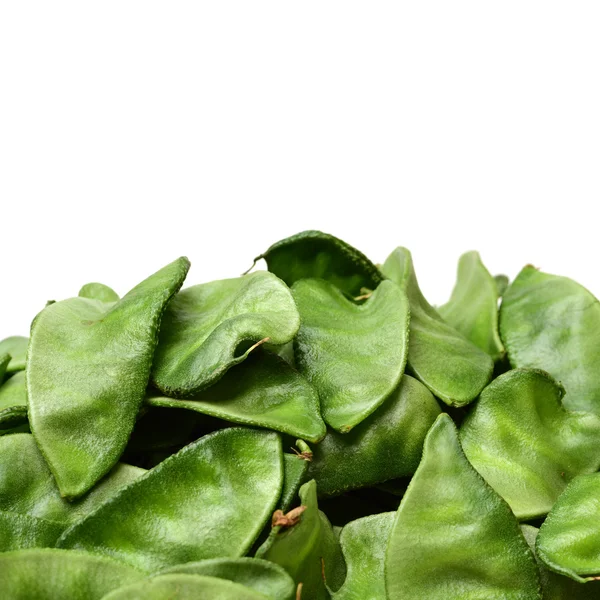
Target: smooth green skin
{"x":28,"y":487}
{"x":51,"y":574}
{"x":295,"y":472}
{"x":18,"y":532}
{"x":263,"y":391}
{"x":314,"y":254}
{"x":569,"y":538}
{"x":453,"y":368}
{"x":307,"y":548}
{"x":185,"y":587}
{"x":13,"y":402}
{"x":259,"y":575}
{"x":88,"y":367}
{"x":206,"y":326}
{"x":553,"y":323}
{"x":386,"y":445}
{"x":209,"y":500}
{"x":16,"y":347}
{"x":453,"y":536}
{"x":98,"y":291}
{"x":473,"y":306}
{"x":354,"y":354}
{"x":525,"y":444}
{"x":555,"y":586}
{"x":364,"y":543}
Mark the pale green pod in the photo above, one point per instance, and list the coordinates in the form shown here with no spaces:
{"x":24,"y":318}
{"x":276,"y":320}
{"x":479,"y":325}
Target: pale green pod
{"x":309,"y":550}
{"x":262,"y":576}
{"x":525,"y":444}
{"x":569,"y":539}
{"x":13,"y":402}
{"x":364,"y":543}
{"x":502,"y":282}
{"x":209,"y":500}
{"x":264,"y":391}
{"x":51,"y":574}
{"x":4,"y":360}
{"x":454,"y":537}
{"x":386,"y":445}
{"x":314,"y":254}
{"x":295,"y":472}
{"x":18,"y":532}
{"x":473,"y":307}
{"x":89,"y":363}
{"x":354,"y":354}
{"x":179,"y":586}
{"x":16,"y":347}
{"x":209,"y":328}
{"x":553,"y":323}
{"x":98,"y":291}
{"x":28,"y":487}
{"x":453,"y":368}
{"x":559,"y":587}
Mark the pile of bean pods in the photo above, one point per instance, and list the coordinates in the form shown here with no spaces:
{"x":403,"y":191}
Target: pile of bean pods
{"x":313,"y":431}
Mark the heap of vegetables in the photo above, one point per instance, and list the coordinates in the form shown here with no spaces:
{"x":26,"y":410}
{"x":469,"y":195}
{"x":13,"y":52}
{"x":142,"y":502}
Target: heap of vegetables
{"x":314,"y":431}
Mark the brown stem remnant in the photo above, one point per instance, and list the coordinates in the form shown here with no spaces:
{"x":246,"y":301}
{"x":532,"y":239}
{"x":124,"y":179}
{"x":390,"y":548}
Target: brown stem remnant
{"x":287,"y":520}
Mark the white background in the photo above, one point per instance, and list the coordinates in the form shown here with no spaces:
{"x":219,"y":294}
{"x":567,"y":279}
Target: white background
{"x":134,"y":132}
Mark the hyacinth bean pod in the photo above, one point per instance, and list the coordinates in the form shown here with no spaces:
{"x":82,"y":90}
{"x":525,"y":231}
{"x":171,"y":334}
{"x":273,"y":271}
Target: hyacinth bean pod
{"x":28,"y":487}
{"x":473,"y":307}
{"x":364,"y":543}
{"x":453,"y":535}
{"x":314,"y":254}
{"x":308,"y":550}
{"x":16,"y":347}
{"x":386,"y":445}
{"x":262,"y":576}
{"x":553,"y":323}
{"x":454,"y":369}
{"x":317,"y":431}
{"x":209,"y":500}
{"x":49,"y":574}
{"x":264,"y":391}
{"x":569,"y":539}
{"x":209,"y":328}
{"x":13,"y":402}
{"x":555,"y":586}
{"x":354,"y":354}
{"x":18,"y":532}
{"x":74,"y":377}
{"x":98,"y":291}
{"x":525,"y":444}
